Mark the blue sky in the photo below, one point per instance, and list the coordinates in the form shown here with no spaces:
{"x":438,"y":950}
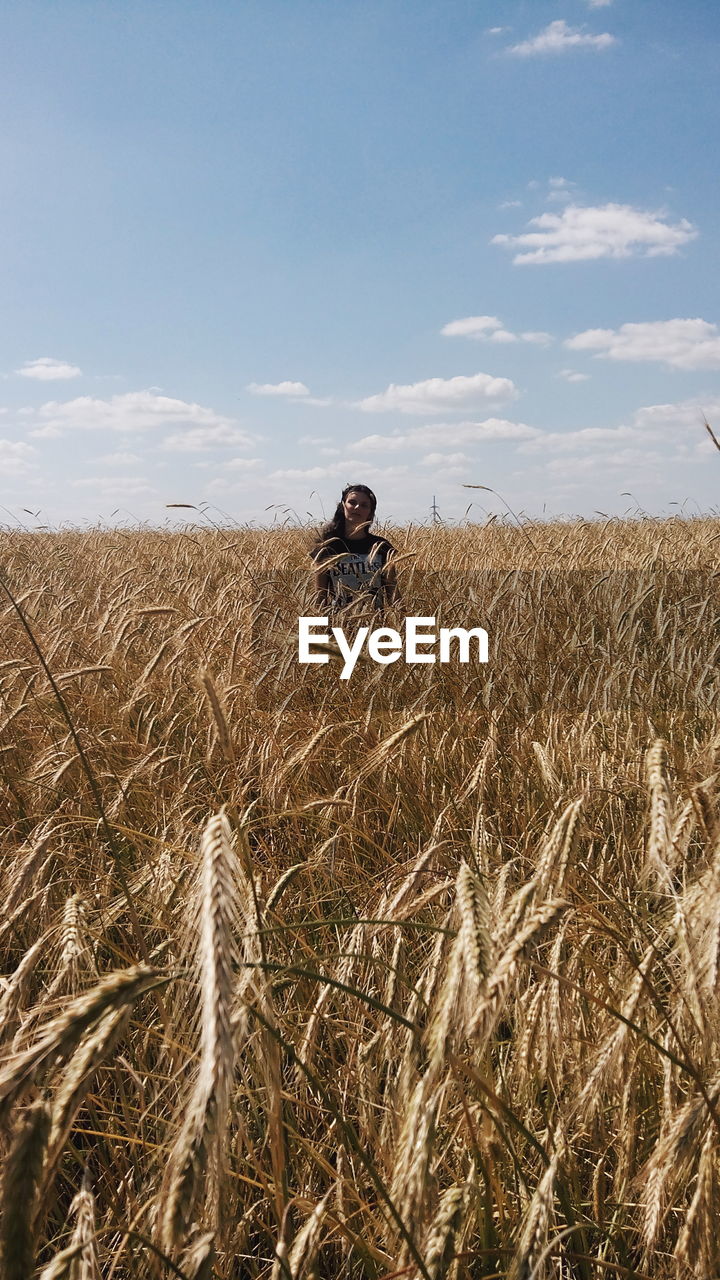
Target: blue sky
{"x":253,"y":251}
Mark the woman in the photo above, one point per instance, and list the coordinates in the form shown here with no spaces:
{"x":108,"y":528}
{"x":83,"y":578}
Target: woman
{"x":352,"y":562}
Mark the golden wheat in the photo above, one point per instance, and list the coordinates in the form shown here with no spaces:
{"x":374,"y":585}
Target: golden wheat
{"x":439,"y":946}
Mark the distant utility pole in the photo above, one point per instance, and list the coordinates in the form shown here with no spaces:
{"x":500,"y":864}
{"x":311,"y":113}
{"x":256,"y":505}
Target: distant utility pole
{"x":434,"y":512}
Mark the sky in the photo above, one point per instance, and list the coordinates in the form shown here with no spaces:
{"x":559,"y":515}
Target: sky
{"x":259,"y":249}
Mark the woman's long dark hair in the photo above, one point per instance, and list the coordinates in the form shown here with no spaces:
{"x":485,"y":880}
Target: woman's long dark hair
{"x":335,"y":528}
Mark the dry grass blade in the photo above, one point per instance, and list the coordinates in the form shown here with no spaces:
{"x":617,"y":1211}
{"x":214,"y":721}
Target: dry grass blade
{"x":711,"y":433}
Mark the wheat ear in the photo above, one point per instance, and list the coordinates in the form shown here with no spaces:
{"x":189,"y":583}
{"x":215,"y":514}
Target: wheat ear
{"x":91,"y":1052}
{"x":534,"y":1233}
{"x":197,"y":1260}
{"x":443,"y":1233}
{"x":62,"y":1034}
{"x":19,"y":1194}
{"x":198,"y":1144}
{"x":79,"y":1260}
{"x":659,"y":842}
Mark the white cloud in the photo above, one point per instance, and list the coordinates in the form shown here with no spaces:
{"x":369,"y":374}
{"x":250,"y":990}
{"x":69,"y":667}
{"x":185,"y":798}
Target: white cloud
{"x":119,"y":459}
{"x":45,"y":369}
{"x":446,"y":463}
{"x":538,"y":337}
{"x":439,"y":393}
{"x":490,"y":329}
{"x":46,"y":433}
{"x":599,"y":4}
{"x":118,"y":487}
{"x":685,"y":415}
{"x":618,"y":460}
{"x":449,"y":435}
{"x":573,"y":375}
{"x":347,"y":471}
{"x":682,"y":344}
{"x":133,"y":411}
{"x":278,"y":389}
{"x":472,"y":327}
{"x":496,"y":31}
{"x":199,"y":439}
{"x":584,"y":439}
{"x":510,"y":204}
{"x":329,"y":472}
{"x":16,"y":457}
{"x":558,"y":37}
{"x":245,"y":484}
{"x":560,"y":189}
{"x":242,"y":464}
{"x":584,"y":232}
{"x":382,"y":444}
{"x":674,"y":429}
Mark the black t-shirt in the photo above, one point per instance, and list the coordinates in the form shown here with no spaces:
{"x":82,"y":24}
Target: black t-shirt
{"x":354,"y":568}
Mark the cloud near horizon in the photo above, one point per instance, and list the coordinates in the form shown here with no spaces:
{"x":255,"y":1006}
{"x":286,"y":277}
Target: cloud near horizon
{"x":16,"y":457}
{"x":587,"y":232}
{"x":433,"y":394}
{"x":690,"y":344}
{"x":678,"y":425}
{"x":451,"y":435}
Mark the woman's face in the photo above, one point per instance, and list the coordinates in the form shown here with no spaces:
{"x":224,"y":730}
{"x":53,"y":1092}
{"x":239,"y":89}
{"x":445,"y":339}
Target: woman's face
{"x":358,"y":509}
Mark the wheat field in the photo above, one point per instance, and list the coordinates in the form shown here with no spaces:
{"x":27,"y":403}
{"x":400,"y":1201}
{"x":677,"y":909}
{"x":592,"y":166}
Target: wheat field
{"x":411,"y":975}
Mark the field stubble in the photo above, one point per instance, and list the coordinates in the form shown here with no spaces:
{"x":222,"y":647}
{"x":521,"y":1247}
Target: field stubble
{"x":412,"y":975}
